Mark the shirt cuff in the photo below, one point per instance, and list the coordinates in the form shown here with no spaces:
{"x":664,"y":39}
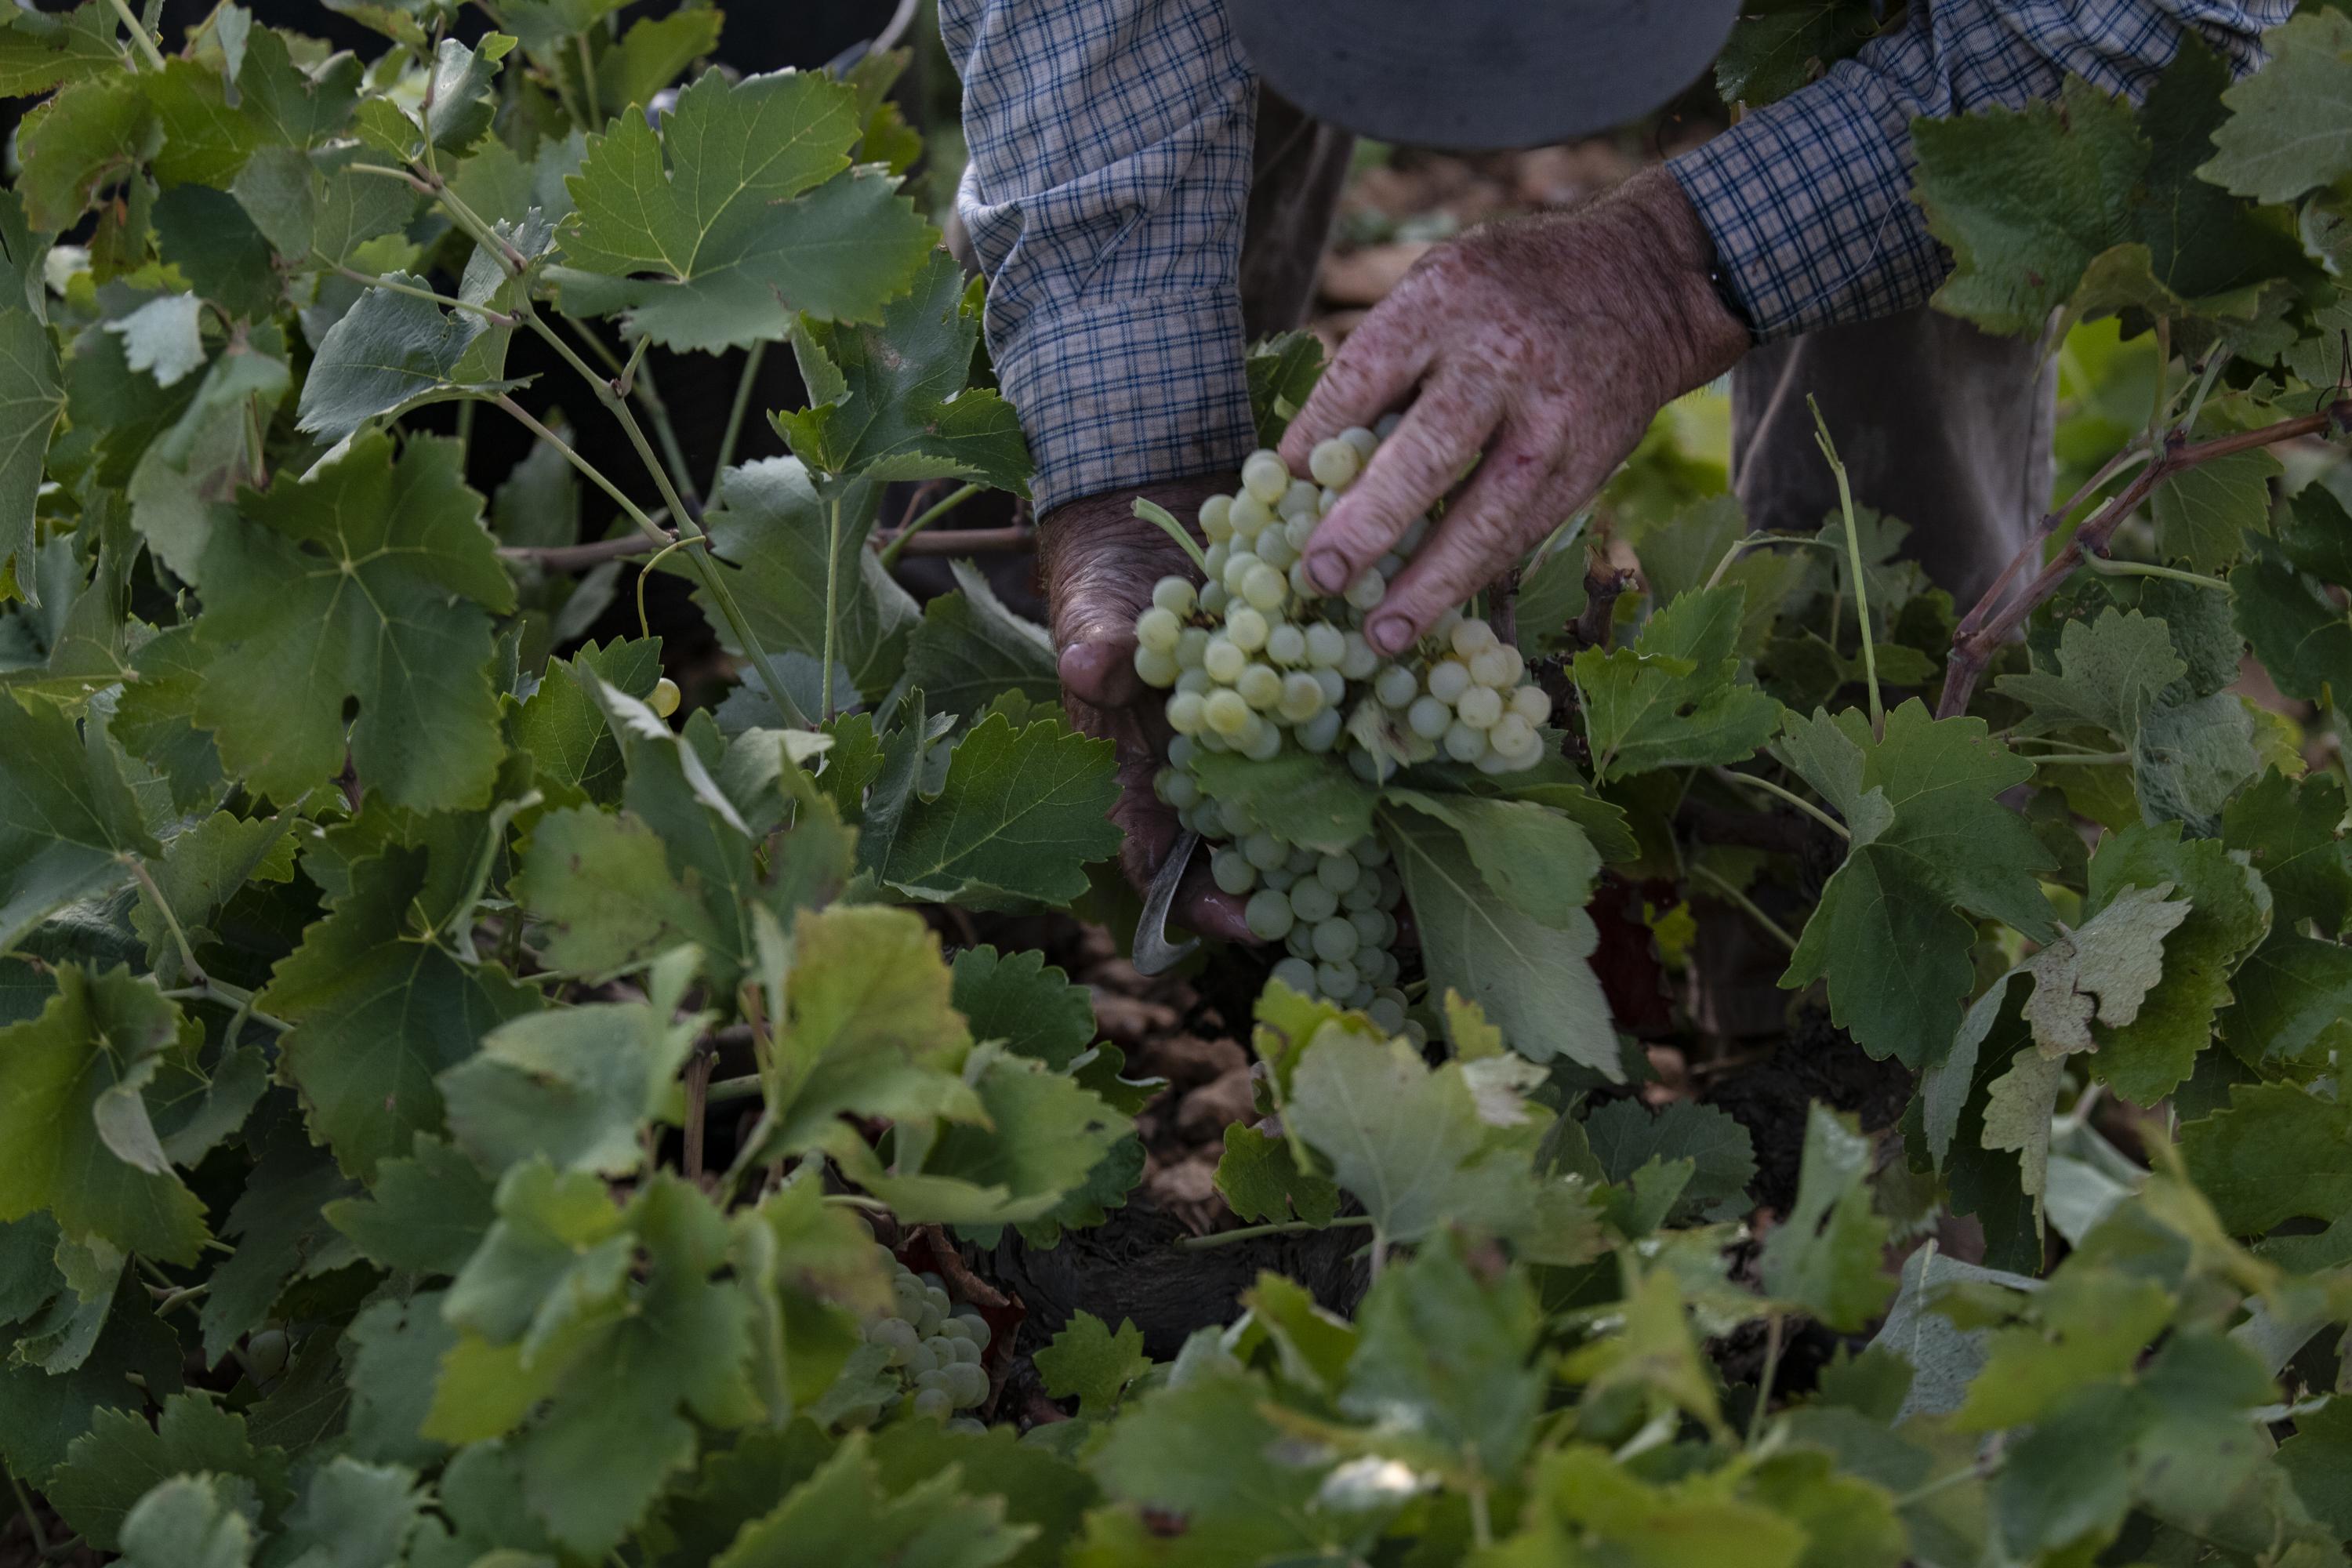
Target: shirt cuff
{"x":1129,"y":392}
{"x":1809,"y":201}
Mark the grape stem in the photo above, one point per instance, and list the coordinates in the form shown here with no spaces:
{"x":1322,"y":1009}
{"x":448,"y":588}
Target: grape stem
{"x":1741,"y":546}
{"x":1746,"y":906}
{"x":1254,"y":1232}
{"x":1853,"y":565}
{"x":2001,"y":613}
{"x":1786,"y":794}
{"x":1764,"y":1379}
{"x":2108,"y":566}
{"x":1160,"y":517}
{"x":146,"y":47}
{"x":898,"y":541}
{"x":744,"y":387}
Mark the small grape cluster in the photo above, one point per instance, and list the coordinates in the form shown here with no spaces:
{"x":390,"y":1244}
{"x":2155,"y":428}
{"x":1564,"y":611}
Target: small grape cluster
{"x":935,"y":1349}
{"x":1257,"y":658}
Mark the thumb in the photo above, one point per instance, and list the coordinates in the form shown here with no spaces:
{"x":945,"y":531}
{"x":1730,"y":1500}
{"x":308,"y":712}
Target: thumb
{"x":1098,"y":669}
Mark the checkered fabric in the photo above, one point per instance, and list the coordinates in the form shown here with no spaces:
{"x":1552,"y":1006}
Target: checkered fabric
{"x":1110,"y":145}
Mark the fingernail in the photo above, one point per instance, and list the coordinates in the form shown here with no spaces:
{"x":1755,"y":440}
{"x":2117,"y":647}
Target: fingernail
{"x":1330,"y":572}
{"x":1389,"y":634}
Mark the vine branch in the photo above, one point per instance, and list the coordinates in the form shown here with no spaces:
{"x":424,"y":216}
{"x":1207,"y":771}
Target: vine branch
{"x":1990,"y":623}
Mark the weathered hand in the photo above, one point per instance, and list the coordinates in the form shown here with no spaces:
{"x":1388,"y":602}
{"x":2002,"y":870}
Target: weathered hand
{"x":1100,"y":561}
{"x":1545,"y":344}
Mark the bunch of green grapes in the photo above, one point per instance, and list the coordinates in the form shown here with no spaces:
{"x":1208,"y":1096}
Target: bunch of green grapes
{"x":1257,"y":660}
{"x":935,"y":1349}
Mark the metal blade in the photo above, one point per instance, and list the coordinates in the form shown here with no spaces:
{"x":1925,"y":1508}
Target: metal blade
{"x":1154,"y":955}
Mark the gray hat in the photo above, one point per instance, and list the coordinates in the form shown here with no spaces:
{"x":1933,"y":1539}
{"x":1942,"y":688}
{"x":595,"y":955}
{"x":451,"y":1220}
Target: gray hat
{"x":1480,"y":73}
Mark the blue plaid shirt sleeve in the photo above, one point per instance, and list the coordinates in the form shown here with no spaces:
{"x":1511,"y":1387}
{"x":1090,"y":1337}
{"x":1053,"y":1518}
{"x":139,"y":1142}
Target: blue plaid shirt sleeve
{"x":1110,"y":145}
{"x":1808,"y":199}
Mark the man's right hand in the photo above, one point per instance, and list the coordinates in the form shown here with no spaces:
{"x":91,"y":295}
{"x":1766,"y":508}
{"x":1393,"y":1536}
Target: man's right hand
{"x":1101,"y":562}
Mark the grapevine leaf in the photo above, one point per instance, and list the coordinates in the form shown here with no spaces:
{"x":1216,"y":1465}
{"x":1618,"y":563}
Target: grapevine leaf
{"x":714,"y":231}
{"x":394,"y":351}
{"x":396,"y":1348}
{"x":2110,"y":673}
{"x":1298,"y":797}
{"x":107,"y":1471}
{"x":1203,"y":1449}
{"x":2293,"y":998}
{"x":68,"y":819}
{"x":2229,"y":912}
{"x":2085,"y":205}
{"x":42,"y":51}
{"x":1826,"y":1257}
{"x":1929,"y":834}
{"x":574,"y":1085}
{"x":182,"y":1522}
{"x":1531,"y":979}
{"x":201,"y":870}
{"x":1017,"y":997}
{"x":2287,"y":134}
{"x":563,"y":728}
{"x":1624,"y":1136}
{"x":1672,"y":699}
{"x":2103,"y":971}
{"x":1537,"y":859}
{"x":374,"y":581}
{"x":1036,"y":1138}
{"x":969,"y":649}
{"x":1777,"y":49}
{"x":2279,"y":603}
{"x":426,"y":1212}
{"x":1445,"y":1365}
{"x":547,"y":26}
{"x":2277,"y":1152}
{"x":769,"y":522}
{"x":74,"y":1122}
{"x":1579,"y":1494}
{"x":2189,"y":759}
{"x":1021,"y":814}
{"x":843,"y":1514}
{"x":78,"y":144}
{"x":32,"y":397}
{"x":654,"y":52}
{"x":2016,"y":1112}
{"x":280,"y":1234}
{"x":1282,"y":371}
{"x":42,"y":1414}
{"x":162,"y":338}
{"x":378,"y":1014}
{"x":348,"y":1503}
{"x":1088,"y":1363}
{"x":2318,"y":1460}
{"x":2203,"y":512}
{"x":603,"y":886}
{"x":1404,"y":1138}
{"x":1259,"y":1178}
{"x":313,"y":209}
{"x":896,"y":406}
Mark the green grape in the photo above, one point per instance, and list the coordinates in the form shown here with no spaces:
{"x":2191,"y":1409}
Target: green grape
{"x":1191,"y":646}
{"x":1321,"y":733}
{"x":976,"y":1329}
{"x":1428,"y":718}
{"x":1335,"y":463}
{"x":1183,"y":789}
{"x":1181,"y":752}
{"x":1265,"y":851}
{"x":1388,"y":565}
{"x":1357,"y":660}
{"x":1298,"y":496}
{"x":1227,"y":713}
{"x":663,"y":699}
{"x":967,"y":1386}
{"x":1265,"y":476}
{"x":1214,"y":598}
{"x":896,"y":1335}
{"x":1301,"y":942}
{"x":1313,"y":902}
{"x":920,"y":1361}
{"x":1361,"y":996}
{"x":1195,"y":681}
{"x":1326,"y":646}
{"x":1339,"y":872}
{"x":1157,"y":668}
{"x":1473,"y":637}
{"x":1264,"y":586}
{"x":1362,"y":439}
{"x":1479,"y":706}
{"x":1336,"y":978}
{"x":1236,"y":570}
{"x":1214,"y":559}
{"x":1158,"y":628}
{"x":934,"y":1402}
{"x":1302,"y":696}
{"x":1232,"y":871}
{"x":1264,"y":744}
{"x":1246,"y":627}
{"x":1250,"y":515}
{"x":1224,"y":659}
{"x":1299,"y":529}
{"x":1174,"y":595}
{"x":1464,"y":744}
{"x":1448,"y":679}
{"x":1532,"y":703}
{"x":1217,"y":517}
{"x":1364,"y":895}
{"x":1369,"y":927}
{"x":1260,"y":685}
{"x":1334,"y":685}
{"x":1286,"y":645}
{"x":1301,"y":584}
{"x":1395,"y":686}
{"x":1268,"y":914}
{"x":1367,"y":849}
{"x":1334,"y":940}
{"x":1274,"y":548}
{"x":1236,"y":819}
{"x":1387,"y":1010}
{"x":1497,"y":667}
{"x":1278,"y":877}
{"x":1368,"y":590}
{"x":265,"y":1354}
{"x":1511,"y":735}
